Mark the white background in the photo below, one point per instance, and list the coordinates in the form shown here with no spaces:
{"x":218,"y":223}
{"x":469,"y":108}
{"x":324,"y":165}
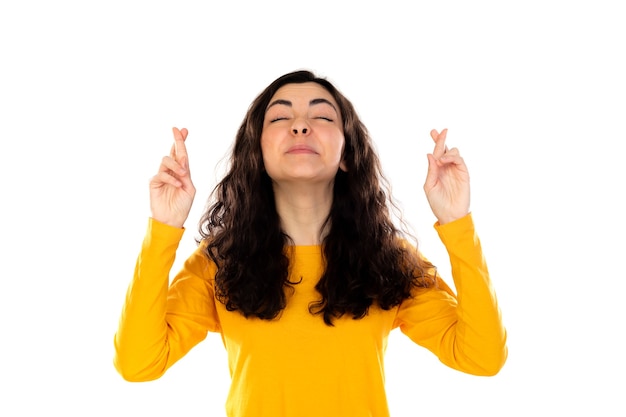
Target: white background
{"x":533,"y":94}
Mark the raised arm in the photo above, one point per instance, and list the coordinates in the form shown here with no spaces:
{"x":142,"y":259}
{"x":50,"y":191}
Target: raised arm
{"x":465,"y":329}
{"x":156,"y":330}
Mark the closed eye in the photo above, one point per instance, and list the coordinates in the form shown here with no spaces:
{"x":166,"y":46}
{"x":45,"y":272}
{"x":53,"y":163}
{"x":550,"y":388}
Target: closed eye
{"x":328,"y":119}
{"x":277,"y":119}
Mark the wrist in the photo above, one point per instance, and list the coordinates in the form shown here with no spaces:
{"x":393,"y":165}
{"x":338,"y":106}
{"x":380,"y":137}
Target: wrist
{"x":169,"y":222}
{"x":441,"y":220}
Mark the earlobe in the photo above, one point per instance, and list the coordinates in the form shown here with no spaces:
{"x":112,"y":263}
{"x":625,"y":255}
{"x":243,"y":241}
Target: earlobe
{"x":343,"y":166}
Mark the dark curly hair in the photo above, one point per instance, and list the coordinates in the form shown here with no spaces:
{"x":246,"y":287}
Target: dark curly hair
{"x":366,"y":259}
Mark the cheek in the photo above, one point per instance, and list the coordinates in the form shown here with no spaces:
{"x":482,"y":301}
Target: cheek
{"x":269,"y":137}
{"x":266,"y":144}
{"x":340,"y":147}
{"x":267,"y":151}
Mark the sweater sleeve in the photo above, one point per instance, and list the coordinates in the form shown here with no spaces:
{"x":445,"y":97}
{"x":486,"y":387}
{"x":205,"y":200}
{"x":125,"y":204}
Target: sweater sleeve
{"x":465,"y":330}
{"x":160,"y":323}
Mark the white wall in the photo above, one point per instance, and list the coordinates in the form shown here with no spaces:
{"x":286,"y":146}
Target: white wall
{"x":532,"y":94}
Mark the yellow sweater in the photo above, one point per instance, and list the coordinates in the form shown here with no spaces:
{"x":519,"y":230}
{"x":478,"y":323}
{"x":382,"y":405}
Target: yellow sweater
{"x":296,"y":365}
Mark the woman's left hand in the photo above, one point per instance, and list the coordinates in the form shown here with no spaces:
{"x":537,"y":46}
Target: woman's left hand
{"x":447,"y":182}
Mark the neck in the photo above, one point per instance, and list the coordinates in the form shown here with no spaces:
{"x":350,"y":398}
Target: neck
{"x":303,"y":209}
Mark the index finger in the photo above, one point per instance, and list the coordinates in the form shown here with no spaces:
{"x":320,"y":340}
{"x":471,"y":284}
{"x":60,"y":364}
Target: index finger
{"x":440,"y":142}
{"x":179,"y":148}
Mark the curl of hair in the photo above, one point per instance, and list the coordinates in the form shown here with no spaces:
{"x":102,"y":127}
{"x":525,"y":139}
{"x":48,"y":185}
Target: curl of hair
{"x":366,"y":261}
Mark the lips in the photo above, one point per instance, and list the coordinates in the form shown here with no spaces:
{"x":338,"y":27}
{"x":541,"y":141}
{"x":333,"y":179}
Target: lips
{"x":301,"y":149}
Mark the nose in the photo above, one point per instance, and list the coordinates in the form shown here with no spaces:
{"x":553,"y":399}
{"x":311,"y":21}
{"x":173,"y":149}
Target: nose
{"x":300,"y":126}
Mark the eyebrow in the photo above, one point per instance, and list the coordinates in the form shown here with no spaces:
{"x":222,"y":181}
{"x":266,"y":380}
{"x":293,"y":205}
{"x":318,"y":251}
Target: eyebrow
{"x":311,"y":103}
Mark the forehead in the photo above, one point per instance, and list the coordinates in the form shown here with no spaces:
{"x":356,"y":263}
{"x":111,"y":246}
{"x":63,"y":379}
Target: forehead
{"x":303,"y":92}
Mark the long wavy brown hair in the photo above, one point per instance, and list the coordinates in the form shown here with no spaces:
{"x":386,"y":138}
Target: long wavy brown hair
{"x":366,"y":259}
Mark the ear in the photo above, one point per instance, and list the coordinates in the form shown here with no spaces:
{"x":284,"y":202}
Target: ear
{"x":343,"y":166}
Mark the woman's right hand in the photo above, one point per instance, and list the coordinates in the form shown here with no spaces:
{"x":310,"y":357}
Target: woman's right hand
{"x":171,"y":189}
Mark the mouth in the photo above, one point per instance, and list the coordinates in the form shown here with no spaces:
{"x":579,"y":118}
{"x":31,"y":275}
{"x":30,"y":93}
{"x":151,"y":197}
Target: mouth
{"x":301,"y":149}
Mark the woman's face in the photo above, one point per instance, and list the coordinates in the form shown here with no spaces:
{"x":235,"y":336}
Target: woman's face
{"x":302,"y":138}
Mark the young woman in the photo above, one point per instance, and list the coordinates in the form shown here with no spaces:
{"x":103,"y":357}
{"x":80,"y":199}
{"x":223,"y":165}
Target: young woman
{"x":301,"y":268}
